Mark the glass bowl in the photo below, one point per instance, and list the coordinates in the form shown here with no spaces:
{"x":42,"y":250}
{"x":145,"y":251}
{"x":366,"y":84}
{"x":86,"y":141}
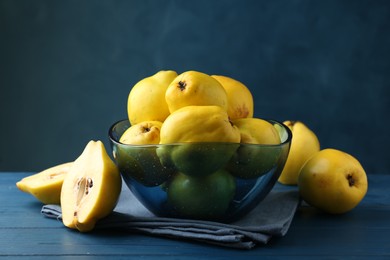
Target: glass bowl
{"x":209,"y":181}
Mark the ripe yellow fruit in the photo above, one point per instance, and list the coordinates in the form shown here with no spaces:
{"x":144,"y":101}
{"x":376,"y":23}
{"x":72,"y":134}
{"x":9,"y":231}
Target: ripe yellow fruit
{"x":46,"y":185}
{"x":199,"y":124}
{"x":193,"y":88}
{"x":91,"y":188}
{"x":333,"y":181}
{"x":139,"y":161}
{"x":207,"y":140}
{"x":240,"y":99}
{"x":304,"y":144}
{"x":257,"y":131}
{"x":147,"y":132}
{"x":146,"y":101}
{"x":252,"y":161}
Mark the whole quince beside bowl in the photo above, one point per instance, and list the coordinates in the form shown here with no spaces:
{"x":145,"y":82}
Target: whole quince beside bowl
{"x":333,"y":181}
{"x":303,"y":145}
{"x":198,"y":162}
{"x":330,"y":180}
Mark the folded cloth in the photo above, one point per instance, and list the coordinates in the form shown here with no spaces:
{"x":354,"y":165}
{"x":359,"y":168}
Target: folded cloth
{"x":271,"y":218}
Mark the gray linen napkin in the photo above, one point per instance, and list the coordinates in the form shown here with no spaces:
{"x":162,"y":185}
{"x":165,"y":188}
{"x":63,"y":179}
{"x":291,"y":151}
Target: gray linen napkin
{"x":272,"y":217}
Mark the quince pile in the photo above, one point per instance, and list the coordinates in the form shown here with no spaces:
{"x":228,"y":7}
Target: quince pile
{"x":200,"y":120}
{"x":193,"y":108}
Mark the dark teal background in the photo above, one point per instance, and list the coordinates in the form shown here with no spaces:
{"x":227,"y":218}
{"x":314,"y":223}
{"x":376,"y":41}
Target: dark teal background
{"x":67,"y":68}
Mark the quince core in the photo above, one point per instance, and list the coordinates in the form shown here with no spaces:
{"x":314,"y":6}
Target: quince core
{"x":91,"y":189}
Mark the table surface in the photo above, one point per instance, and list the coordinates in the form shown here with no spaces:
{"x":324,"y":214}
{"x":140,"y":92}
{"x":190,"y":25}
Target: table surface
{"x":362,"y":233}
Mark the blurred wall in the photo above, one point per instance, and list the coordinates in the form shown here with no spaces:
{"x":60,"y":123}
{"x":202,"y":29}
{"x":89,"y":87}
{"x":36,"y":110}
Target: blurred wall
{"x":67,"y":68}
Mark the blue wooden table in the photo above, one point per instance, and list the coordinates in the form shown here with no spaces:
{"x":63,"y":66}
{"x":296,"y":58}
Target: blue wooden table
{"x":360,"y":234}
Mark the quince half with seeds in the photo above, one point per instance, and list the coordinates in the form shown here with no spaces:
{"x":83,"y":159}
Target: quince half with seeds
{"x":91,"y":188}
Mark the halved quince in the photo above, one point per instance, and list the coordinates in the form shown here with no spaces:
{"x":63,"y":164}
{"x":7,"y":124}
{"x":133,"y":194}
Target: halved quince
{"x":46,"y":185}
{"x":91,"y":189}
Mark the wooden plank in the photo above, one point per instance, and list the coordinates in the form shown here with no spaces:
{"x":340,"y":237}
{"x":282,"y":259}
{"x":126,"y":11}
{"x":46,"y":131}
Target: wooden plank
{"x":360,"y":234}
{"x":66,"y":242}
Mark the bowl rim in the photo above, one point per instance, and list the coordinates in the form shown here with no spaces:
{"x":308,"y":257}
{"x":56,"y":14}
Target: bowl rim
{"x":273,"y":121}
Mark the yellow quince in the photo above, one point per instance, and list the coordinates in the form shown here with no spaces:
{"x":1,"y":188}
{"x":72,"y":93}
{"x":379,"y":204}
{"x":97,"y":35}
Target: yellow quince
{"x":240,"y":99}
{"x":146,"y":100}
{"x":304,"y":144}
{"x":333,"y":181}
{"x":147,"y":132}
{"x":136,"y":155}
{"x":193,"y":88}
{"x":252,"y":161}
{"x":199,"y":139}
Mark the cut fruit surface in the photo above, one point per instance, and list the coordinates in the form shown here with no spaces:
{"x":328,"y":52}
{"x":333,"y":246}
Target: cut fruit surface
{"x":46,"y":185}
{"x":91,"y":189}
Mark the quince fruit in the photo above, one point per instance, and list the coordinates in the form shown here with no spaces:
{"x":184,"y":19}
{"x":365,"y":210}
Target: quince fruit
{"x":193,"y":88}
{"x":304,"y":144}
{"x":240,"y":100}
{"x":204,"y":197}
{"x":147,"y":132}
{"x":138,"y":159}
{"x":91,"y":188}
{"x":257,"y":131}
{"x":146,"y":100}
{"x":332,"y":181}
{"x":252,"y":161}
{"x":46,"y":185}
{"x":198,"y":140}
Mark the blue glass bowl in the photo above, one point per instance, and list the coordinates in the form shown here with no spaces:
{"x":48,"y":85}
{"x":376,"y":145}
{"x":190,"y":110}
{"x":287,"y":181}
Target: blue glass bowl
{"x":210,"y":181}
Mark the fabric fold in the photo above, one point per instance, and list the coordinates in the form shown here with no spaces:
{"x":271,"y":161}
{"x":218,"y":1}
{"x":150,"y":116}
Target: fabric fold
{"x":270,"y":218}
